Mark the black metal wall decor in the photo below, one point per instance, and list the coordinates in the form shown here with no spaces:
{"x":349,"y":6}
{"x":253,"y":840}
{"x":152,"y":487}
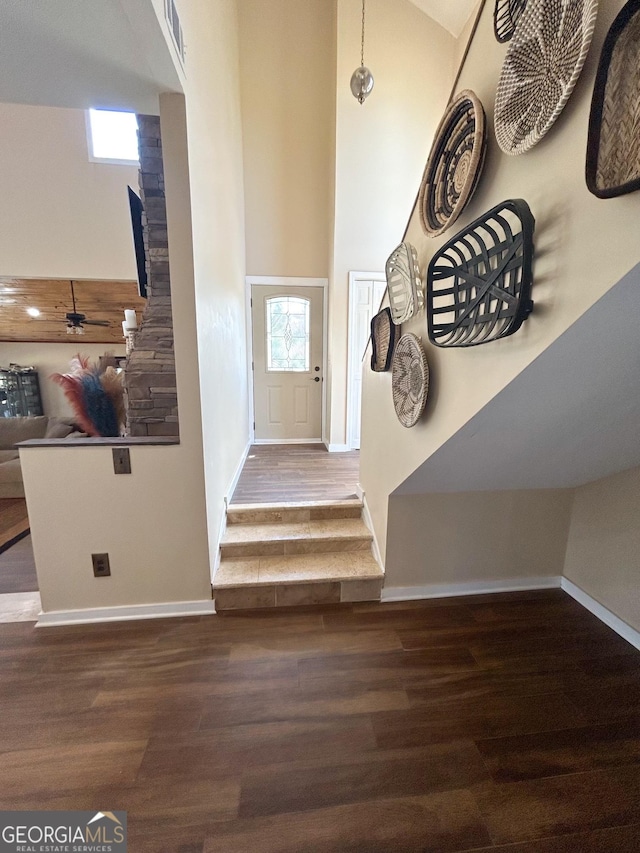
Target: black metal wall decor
{"x":383,"y":338}
{"x":454,"y":165}
{"x":505,"y":18}
{"x":613,"y":145}
{"x":479,"y":283}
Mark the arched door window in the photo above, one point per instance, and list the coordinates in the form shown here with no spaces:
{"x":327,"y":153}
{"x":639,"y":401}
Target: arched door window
{"x":287,"y":328}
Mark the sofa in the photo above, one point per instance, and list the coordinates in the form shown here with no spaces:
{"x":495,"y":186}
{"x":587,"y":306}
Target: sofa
{"x":15,"y":430}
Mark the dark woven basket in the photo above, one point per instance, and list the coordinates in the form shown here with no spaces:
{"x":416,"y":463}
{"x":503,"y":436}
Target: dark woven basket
{"x":383,"y":338}
{"x":479,"y":283}
{"x":505,"y":18}
{"x":454,"y":165}
{"x":410,"y":382}
{"x":613,"y":147}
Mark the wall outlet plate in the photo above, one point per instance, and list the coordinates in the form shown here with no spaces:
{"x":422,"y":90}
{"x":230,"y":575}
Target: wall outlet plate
{"x":101,"y":567}
{"x":121,"y":460}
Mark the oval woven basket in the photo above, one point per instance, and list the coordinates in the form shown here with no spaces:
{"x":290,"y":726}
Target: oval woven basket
{"x":383,"y":338}
{"x":454,"y":165}
{"x":404,"y":284}
{"x":613,"y":146}
{"x":541,"y":68}
{"x":410,"y":379}
{"x":505,"y":18}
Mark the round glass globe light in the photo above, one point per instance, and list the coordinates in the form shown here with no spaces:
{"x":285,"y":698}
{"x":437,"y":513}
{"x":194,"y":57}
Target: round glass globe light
{"x":361,"y":83}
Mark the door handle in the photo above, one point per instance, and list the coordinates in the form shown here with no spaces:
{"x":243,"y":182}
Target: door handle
{"x":314,"y":378}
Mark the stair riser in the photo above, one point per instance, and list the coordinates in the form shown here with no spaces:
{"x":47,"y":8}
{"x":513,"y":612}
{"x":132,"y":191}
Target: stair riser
{"x":291,"y":516}
{"x":296,"y":595}
{"x":287,"y":547}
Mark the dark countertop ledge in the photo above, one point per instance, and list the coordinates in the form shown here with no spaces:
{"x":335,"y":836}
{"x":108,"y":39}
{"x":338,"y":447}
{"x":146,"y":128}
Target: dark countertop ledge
{"x":127,"y":441}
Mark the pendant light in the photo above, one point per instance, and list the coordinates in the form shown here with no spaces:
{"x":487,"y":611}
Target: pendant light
{"x":362,"y":78}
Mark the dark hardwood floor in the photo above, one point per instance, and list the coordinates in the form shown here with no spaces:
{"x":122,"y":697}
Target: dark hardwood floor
{"x":14,"y":520}
{"x":18,"y":568}
{"x":297,"y":472}
{"x":497,"y":723}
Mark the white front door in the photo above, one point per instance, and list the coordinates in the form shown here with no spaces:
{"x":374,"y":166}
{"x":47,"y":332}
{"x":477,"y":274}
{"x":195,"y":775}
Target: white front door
{"x":365,"y":295}
{"x":287,"y":325}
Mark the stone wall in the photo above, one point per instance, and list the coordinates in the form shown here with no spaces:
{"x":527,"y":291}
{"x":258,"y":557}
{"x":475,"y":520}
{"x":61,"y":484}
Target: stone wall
{"x":150,"y":374}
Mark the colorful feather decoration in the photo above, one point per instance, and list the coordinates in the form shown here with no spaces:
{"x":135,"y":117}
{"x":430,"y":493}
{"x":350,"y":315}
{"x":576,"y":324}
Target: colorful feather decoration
{"x":95,"y":395}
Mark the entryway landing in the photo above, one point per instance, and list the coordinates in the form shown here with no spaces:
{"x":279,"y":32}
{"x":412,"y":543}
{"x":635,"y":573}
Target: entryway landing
{"x":286,"y":554}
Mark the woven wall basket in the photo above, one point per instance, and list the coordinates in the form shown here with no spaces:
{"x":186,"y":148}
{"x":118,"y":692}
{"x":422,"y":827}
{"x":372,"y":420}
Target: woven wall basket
{"x":505,"y":18}
{"x":479,"y":283}
{"x":454,"y":165}
{"x":383,"y":338}
{"x":410,"y":380}
{"x":542,"y":65}
{"x":404,"y":285}
{"x":613,"y":147}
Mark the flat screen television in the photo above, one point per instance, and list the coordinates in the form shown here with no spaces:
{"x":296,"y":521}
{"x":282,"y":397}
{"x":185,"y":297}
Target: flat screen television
{"x":135,"y":205}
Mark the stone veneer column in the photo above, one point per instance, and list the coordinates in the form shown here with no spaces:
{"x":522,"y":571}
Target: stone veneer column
{"x":150,"y":373}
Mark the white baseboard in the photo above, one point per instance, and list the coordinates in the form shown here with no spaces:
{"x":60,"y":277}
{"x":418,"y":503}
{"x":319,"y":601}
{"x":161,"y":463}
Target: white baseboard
{"x":126,"y":613}
{"x":449,"y":590}
{"x":366,"y":517}
{"x":236,"y":474}
{"x":337,"y":448}
{"x":288,"y":441}
{"x":603,"y":613}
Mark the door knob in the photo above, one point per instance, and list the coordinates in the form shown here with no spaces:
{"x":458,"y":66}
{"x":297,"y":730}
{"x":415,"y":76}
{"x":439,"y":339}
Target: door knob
{"x":314,"y":378}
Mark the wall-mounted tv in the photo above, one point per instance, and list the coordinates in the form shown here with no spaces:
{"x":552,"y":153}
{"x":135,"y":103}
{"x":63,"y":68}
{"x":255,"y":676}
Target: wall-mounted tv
{"x":135,"y":205}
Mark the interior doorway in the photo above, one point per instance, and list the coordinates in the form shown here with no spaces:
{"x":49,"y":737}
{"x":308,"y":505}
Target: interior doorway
{"x":366,"y":290}
{"x":288,"y":359}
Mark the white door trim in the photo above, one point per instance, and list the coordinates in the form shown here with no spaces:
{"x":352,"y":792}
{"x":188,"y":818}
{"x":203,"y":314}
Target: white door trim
{"x":286,"y":281}
{"x":354,"y":359}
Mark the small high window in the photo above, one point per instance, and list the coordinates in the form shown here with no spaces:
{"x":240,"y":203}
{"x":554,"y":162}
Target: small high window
{"x":287,"y":333}
{"x":113,"y":137}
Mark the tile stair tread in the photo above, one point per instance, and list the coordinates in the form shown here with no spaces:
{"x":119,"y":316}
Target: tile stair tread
{"x":245,"y":534}
{"x":306,"y":568}
{"x":283,"y":505}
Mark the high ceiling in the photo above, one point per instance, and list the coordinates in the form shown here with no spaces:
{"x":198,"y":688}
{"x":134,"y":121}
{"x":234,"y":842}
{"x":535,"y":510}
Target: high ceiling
{"x":450,"y":14}
{"x":82,"y":53}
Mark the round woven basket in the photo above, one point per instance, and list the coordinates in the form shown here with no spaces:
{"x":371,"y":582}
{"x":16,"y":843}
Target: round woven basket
{"x":410,"y":379}
{"x":454,"y":165}
{"x":505,"y":18}
{"x":541,"y":68}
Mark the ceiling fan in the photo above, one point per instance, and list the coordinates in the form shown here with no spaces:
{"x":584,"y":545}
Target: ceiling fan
{"x":76,"y":321}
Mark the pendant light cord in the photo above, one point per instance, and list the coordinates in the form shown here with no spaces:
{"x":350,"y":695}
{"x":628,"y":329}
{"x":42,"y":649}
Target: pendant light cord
{"x":362,"y":42}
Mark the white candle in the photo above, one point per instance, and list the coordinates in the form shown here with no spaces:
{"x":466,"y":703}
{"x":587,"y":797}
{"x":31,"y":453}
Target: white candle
{"x":130,"y":319}
{"x":124,"y":328}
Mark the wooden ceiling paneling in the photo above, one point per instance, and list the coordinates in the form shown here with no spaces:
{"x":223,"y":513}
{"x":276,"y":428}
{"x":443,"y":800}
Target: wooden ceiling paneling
{"x":98,"y":300}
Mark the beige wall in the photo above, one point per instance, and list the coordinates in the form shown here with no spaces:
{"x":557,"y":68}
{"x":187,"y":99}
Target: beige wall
{"x":603,"y":550}
{"x":477,"y":536}
{"x":148,"y":522}
{"x":154,"y":523}
{"x":60,"y":216}
{"x":217,"y":219}
{"x":583,"y":247}
{"x":381,"y":149}
{"x":48,"y":359}
{"x":287,"y":57}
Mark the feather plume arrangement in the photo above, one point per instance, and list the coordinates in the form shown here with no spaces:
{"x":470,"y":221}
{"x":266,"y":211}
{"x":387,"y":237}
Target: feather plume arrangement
{"x":95,"y":395}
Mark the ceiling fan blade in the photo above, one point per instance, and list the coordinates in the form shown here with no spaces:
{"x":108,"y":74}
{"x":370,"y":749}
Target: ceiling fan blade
{"x":96,"y":323}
